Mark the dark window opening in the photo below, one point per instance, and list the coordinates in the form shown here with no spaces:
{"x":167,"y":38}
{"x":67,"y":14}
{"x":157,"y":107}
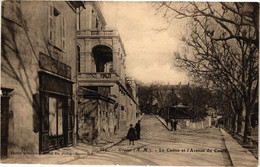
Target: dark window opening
{"x":103,"y":56}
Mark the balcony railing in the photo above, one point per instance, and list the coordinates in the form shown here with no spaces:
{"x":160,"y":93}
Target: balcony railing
{"x":98,"y":33}
{"x":50,"y":64}
{"x":99,"y":75}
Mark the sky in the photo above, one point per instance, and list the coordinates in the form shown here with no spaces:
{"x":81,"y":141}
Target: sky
{"x":149,"y":51}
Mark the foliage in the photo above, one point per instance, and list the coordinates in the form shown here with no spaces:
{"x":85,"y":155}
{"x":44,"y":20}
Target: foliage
{"x":222,"y":49}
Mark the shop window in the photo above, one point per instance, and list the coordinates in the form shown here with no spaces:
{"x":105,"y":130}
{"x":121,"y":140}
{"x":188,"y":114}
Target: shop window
{"x":57,"y":28}
{"x":52,"y":116}
{"x":55,"y":116}
{"x":11,"y":10}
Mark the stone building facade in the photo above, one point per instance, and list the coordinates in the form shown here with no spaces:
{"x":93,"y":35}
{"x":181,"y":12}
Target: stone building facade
{"x":101,"y":69}
{"x":62,"y":77}
{"x":38,"y":75}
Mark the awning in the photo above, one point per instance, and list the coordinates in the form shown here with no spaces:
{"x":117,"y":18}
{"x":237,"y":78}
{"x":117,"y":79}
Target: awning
{"x":90,"y":94}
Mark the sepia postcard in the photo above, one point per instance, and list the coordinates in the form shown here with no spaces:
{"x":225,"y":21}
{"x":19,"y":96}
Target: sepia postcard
{"x":158,"y":83}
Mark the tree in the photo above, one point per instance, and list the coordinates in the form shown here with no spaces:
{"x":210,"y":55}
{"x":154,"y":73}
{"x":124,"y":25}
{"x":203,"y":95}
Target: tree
{"x":165,"y":97}
{"x":144,"y":95}
{"x":222,"y":47}
{"x":196,"y":97}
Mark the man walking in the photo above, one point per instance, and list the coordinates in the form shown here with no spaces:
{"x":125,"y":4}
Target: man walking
{"x":172,"y":125}
{"x":131,"y":135}
{"x":138,"y":129}
{"x":175,"y":125}
{"x":167,"y":121}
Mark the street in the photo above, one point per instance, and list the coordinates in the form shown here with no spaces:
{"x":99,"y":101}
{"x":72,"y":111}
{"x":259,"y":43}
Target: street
{"x":158,"y":146}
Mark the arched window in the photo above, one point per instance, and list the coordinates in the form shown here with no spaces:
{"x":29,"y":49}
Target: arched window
{"x":103,"y":56}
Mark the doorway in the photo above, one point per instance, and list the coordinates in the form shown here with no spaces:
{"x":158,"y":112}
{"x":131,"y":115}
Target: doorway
{"x":56,"y":122}
{"x":4,"y":120}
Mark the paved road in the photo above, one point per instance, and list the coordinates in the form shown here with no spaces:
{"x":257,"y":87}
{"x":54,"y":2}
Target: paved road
{"x":158,"y":146}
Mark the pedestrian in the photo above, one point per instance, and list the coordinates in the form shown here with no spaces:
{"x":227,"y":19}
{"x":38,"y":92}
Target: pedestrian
{"x":167,"y":121}
{"x":138,"y":129}
{"x":172,"y":125}
{"x":131,"y":135}
{"x":175,"y":125}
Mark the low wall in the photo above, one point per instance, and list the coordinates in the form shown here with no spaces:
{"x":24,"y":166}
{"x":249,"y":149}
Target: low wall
{"x":203,"y":124}
{"x":186,"y":123}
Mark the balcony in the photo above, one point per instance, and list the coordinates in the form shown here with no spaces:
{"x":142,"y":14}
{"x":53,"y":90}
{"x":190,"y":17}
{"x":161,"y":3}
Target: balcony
{"x":97,"y":33}
{"x":97,"y":79}
{"x":50,"y":64}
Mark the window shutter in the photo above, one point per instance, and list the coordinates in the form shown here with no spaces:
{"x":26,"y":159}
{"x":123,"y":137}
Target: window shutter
{"x":51,"y":26}
{"x":63,"y":36}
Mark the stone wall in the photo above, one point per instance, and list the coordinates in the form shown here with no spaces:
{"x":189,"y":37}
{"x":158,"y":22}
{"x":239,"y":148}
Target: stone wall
{"x":203,"y":124}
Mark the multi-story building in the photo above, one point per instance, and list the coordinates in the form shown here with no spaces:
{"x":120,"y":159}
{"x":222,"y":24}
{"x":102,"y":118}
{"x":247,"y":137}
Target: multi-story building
{"x":39,"y":67}
{"x":101,"y":69}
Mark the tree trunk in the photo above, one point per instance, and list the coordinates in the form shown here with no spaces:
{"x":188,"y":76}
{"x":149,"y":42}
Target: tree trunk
{"x":239,"y":121}
{"x":234,"y":123}
{"x":247,"y":131}
{"x":231,"y":123}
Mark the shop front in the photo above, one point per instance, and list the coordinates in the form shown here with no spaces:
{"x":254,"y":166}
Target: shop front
{"x":56,"y":116}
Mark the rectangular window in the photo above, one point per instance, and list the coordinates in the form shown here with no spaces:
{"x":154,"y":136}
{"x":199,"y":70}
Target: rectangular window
{"x":57,"y":27}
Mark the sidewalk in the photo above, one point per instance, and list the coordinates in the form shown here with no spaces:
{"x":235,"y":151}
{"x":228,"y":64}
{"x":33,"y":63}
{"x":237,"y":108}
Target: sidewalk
{"x":67,"y":154}
{"x":238,"y":155}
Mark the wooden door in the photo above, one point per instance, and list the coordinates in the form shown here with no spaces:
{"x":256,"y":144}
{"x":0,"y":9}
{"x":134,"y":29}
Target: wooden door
{"x":4,"y":125}
{"x":44,"y":133}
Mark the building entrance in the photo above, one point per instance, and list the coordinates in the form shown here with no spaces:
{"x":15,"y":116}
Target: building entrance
{"x":4,"y":121}
{"x":56,"y":113}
